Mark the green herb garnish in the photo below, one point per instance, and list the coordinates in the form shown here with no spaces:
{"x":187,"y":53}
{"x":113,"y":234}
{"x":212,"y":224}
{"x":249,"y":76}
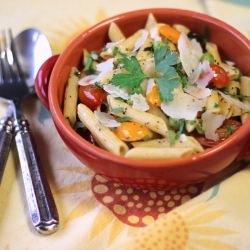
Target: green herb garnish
{"x":131,"y":80}
{"x":117,"y":110}
{"x":169,"y":79}
{"x":171,"y":137}
{"x":124,"y":119}
{"x":115,"y":51}
{"x":91,"y":57}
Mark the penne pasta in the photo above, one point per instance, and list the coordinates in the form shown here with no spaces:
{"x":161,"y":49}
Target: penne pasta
{"x":181,"y":28}
{"x":232,"y":72}
{"x":234,"y":89}
{"x":151,"y":22}
{"x":213,"y":102}
{"x":189,"y":142}
{"x":114,"y":33}
{"x":153,"y":122}
{"x":71,"y":97}
{"x":103,"y":135}
{"x":129,"y":43}
{"x":245,"y":91}
{"x":213,"y":50}
{"x":156,"y":154}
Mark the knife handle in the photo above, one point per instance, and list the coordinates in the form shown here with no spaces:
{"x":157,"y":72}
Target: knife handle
{"x":42,"y":208}
{"x":6,"y":135}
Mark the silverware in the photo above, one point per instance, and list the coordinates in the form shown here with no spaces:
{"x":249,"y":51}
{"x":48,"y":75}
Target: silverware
{"x":41,"y":205}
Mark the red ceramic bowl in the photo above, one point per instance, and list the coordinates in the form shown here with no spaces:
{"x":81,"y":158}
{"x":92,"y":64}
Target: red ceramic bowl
{"x":145,"y":173}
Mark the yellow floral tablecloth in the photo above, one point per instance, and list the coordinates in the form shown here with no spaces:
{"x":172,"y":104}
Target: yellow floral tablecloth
{"x":95,"y":213}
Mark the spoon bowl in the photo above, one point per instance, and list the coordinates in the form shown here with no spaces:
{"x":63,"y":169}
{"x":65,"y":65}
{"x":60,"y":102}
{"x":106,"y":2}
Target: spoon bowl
{"x":33,"y":49}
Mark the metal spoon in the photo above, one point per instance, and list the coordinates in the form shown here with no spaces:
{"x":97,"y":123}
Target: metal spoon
{"x":32,"y":48}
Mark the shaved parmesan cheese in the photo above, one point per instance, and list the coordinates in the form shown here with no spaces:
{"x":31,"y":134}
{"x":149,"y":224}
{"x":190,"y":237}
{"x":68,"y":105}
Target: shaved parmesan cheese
{"x":105,"y":66}
{"x":150,"y":85}
{"x":197,"y":92}
{"x":116,"y":91}
{"x":154,"y":33}
{"x":106,"y":119}
{"x":190,"y":53}
{"x":183,"y":106}
{"x":210,"y":122}
{"x":139,"y":102}
{"x":235,"y":102}
{"x":202,"y":74}
{"x":141,"y":40}
{"x":87,"y":80}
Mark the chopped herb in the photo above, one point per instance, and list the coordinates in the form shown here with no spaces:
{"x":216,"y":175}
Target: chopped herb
{"x":229,"y":130}
{"x":192,"y":122}
{"x":171,"y":137}
{"x":216,"y":105}
{"x":124,"y":119}
{"x":91,"y":57}
{"x":115,"y":51}
{"x":131,"y":80}
{"x":181,"y":128}
{"x":207,"y":57}
{"x":117,"y":110}
{"x":199,"y":127}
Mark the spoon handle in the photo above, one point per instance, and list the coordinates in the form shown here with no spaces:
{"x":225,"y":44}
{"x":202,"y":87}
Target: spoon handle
{"x":6,"y":134}
{"x":39,"y":197}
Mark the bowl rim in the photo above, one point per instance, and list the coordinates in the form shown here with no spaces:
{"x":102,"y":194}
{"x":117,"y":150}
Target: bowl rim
{"x":85,"y":146}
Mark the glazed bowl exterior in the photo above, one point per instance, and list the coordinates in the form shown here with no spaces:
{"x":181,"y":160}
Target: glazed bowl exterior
{"x":154,"y":174}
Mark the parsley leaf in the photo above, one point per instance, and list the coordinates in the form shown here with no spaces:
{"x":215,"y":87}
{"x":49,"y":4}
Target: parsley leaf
{"x":131,"y":80}
{"x":169,"y":78}
{"x":167,"y":83}
{"x":164,"y":57}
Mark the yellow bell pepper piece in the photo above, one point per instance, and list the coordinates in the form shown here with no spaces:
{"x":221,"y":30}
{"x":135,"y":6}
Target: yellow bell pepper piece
{"x":170,"y":33}
{"x":153,"y":96}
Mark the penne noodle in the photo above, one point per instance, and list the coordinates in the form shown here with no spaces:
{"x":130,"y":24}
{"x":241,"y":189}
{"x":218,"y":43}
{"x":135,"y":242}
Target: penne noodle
{"x":158,"y":112}
{"x":189,"y":142}
{"x":114,"y":33}
{"x":129,"y":43}
{"x":181,"y":28}
{"x":103,"y":135}
{"x":225,"y":108}
{"x":71,"y":97}
{"x":245,"y":91}
{"x":213,"y":50}
{"x":234,"y":89}
{"x":153,"y":122}
{"x":151,"y":22}
{"x":232,"y":72}
{"x":156,"y":154}
{"x":213,"y":102}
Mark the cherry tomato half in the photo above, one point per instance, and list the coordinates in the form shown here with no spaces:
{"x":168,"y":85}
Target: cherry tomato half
{"x":91,"y":96}
{"x":229,"y":126}
{"x":220,"y":79}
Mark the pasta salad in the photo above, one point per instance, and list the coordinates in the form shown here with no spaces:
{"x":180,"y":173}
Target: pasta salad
{"x":162,"y":93}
